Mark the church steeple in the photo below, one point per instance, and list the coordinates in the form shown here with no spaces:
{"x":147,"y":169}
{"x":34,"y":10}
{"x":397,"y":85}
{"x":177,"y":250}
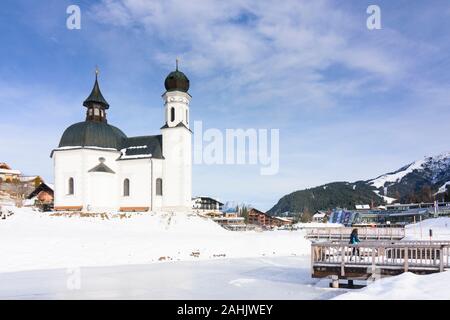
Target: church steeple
{"x":176,"y":99}
{"x":96,"y":103}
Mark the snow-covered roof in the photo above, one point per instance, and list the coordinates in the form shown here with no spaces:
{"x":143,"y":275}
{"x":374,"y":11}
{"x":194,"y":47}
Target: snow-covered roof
{"x":28,"y":178}
{"x":10,"y":171}
{"x":319,"y":215}
{"x":142,"y":147}
{"x":195,"y":199}
{"x":443,"y":188}
{"x":283,"y":219}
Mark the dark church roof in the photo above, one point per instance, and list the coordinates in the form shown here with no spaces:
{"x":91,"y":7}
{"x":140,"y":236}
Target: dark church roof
{"x":176,"y":81}
{"x":92,"y":134}
{"x":100,"y":134}
{"x":96,"y":96}
{"x":143,"y":146}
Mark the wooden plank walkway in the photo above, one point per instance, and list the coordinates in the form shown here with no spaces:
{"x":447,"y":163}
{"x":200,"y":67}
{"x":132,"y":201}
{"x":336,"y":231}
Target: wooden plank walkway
{"x":365,"y":233}
{"x":371,"y":259}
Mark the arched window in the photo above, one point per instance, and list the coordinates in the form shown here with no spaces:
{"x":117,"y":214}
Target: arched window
{"x":159,"y":187}
{"x":126,"y":187}
{"x":70,"y":186}
{"x":172,"y":114}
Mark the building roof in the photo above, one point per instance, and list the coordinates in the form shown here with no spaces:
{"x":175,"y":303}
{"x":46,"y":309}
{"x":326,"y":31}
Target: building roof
{"x":179,"y":125}
{"x":176,"y":81}
{"x":96,"y":96}
{"x":320,"y":215}
{"x":102,"y":167}
{"x":42,"y":187}
{"x":8,"y":171}
{"x":29,"y":178}
{"x":283,"y":219}
{"x":207,"y":198}
{"x":92,"y":134}
{"x":142,"y":146}
{"x":5,"y":166}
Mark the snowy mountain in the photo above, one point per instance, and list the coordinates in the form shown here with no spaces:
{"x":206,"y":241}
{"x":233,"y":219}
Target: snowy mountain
{"x":420,"y":181}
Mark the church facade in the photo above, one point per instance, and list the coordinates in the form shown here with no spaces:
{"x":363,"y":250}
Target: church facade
{"x":98,"y":168}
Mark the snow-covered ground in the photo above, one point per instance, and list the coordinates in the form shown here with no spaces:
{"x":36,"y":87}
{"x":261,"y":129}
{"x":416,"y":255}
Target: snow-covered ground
{"x":225,"y":279}
{"x":407,"y":286}
{"x":32,"y":240}
{"x":177,"y":256}
{"x":420,"y":230}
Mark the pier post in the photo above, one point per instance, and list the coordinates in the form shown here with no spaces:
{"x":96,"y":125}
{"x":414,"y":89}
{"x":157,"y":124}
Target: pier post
{"x":406,"y":257}
{"x":335,"y":282}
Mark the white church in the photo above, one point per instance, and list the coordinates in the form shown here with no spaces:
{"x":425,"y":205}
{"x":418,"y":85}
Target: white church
{"x":98,"y":168}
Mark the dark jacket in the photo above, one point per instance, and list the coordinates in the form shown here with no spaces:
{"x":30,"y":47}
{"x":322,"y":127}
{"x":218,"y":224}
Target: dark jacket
{"x":354,"y":239}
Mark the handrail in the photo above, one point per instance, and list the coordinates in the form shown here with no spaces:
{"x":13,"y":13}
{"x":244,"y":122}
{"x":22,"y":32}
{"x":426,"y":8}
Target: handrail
{"x":363,"y":232}
{"x":377,"y":243}
{"x":399,"y":255}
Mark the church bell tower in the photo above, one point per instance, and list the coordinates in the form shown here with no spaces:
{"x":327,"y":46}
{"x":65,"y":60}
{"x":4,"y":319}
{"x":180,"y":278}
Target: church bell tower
{"x":177,"y":143}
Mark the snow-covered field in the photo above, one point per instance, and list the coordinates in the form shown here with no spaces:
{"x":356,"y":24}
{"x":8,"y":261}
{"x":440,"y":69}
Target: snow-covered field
{"x":420,"y":230}
{"x":184,"y":256}
{"x":32,"y":240}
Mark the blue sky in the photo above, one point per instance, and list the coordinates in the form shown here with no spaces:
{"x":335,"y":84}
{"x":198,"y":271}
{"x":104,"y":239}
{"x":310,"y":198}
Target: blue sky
{"x":350,"y":103}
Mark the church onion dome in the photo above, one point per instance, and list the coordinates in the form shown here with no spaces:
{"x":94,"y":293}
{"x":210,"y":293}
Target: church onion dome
{"x":92,"y":134}
{"x":177,"y":81}
{"x":96,"y":96}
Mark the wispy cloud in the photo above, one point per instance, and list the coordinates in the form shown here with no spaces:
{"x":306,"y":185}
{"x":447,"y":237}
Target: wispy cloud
{"x":250,"y":50}
{"x":350,"y":103}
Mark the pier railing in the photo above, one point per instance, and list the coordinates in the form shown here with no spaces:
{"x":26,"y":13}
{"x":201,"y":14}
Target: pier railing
{"x":388,"y":257}
{"x":364,"y":233}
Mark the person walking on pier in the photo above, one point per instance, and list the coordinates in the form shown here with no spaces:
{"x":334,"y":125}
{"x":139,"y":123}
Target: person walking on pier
{"x":354,"y":240}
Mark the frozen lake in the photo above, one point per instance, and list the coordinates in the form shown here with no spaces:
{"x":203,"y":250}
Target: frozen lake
{"x":241,"y":278}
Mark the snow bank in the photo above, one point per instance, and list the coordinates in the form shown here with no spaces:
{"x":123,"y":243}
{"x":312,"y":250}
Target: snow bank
{"x":407,"y":286}
{"x":33,"y":240}
{"x":420,"y":230}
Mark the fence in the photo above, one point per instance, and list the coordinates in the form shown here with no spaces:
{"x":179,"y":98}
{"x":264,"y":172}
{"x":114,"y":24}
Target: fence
{"x":364,"y":233}
{"x":397,"y":256}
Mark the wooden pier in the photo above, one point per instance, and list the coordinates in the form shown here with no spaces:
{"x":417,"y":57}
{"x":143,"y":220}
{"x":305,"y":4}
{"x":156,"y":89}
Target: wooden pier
{"x":374,"y":259}
{"x":365,"y":233}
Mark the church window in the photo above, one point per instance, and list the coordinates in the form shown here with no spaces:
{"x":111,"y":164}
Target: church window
{"x":71,"y":186}
{"x":126,"y":187}
{"x":159,"y":187}
{"x":187,"y":116}
{"x":172,"y":114}
{"x":96,"y":112}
